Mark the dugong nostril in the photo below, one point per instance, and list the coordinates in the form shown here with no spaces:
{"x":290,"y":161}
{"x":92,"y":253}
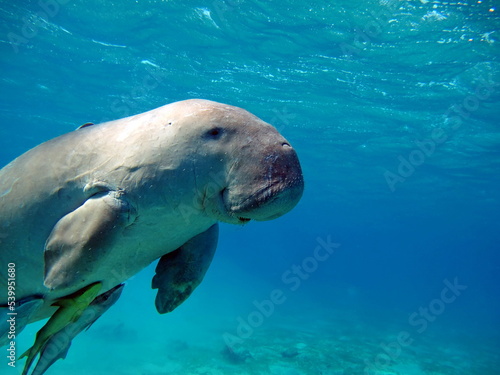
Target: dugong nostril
{"x":286,"y":145}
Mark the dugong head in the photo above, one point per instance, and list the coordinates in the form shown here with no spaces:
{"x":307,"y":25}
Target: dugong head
{"x":254,"y":172}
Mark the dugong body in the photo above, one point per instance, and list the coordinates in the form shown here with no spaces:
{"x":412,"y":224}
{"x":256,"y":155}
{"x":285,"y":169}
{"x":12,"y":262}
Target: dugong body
{"x":102,"y":202}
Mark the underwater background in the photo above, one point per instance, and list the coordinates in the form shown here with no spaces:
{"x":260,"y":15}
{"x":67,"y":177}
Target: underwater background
{"x":389,"y":265}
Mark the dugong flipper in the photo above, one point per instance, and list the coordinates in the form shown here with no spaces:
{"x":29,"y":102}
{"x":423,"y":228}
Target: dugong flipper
{"x":58,"y":345}
{"x":178,"y":273}
{"x":24,"y":309}
{"x":99,"y":219}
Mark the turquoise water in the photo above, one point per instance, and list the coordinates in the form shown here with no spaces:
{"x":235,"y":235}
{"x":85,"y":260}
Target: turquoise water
{"x":393,"y":107}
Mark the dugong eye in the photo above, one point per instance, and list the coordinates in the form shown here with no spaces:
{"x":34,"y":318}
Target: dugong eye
{"x":214,"y":133}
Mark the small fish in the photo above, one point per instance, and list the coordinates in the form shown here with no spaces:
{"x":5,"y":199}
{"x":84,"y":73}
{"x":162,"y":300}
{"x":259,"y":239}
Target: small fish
{"x":70,"y":309}
{"x":58,"y":345}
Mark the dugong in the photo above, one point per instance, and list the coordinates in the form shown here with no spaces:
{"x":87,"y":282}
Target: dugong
{"x":97,"y":205}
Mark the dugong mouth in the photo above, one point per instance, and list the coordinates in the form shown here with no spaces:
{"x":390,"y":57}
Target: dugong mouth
{"x":255,"y":200}
{"x":267,"y":203}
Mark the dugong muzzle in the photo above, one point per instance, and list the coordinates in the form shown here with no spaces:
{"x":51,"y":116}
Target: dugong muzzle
{"x":282,"y":187}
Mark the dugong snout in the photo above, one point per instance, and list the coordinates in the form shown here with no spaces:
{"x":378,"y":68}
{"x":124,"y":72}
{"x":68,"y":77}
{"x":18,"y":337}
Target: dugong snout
{"x":276,"y":188}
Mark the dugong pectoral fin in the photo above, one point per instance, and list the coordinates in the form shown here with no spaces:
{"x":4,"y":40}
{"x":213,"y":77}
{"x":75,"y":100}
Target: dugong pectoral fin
{"x":178,"y":273}
{"x":78,"y":241}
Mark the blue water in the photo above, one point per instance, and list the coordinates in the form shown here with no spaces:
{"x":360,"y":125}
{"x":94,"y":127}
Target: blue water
{"x":393,"y":107}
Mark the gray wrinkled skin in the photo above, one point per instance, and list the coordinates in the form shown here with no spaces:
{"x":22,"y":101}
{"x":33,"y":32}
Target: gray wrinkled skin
{"x":102,"y":202}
